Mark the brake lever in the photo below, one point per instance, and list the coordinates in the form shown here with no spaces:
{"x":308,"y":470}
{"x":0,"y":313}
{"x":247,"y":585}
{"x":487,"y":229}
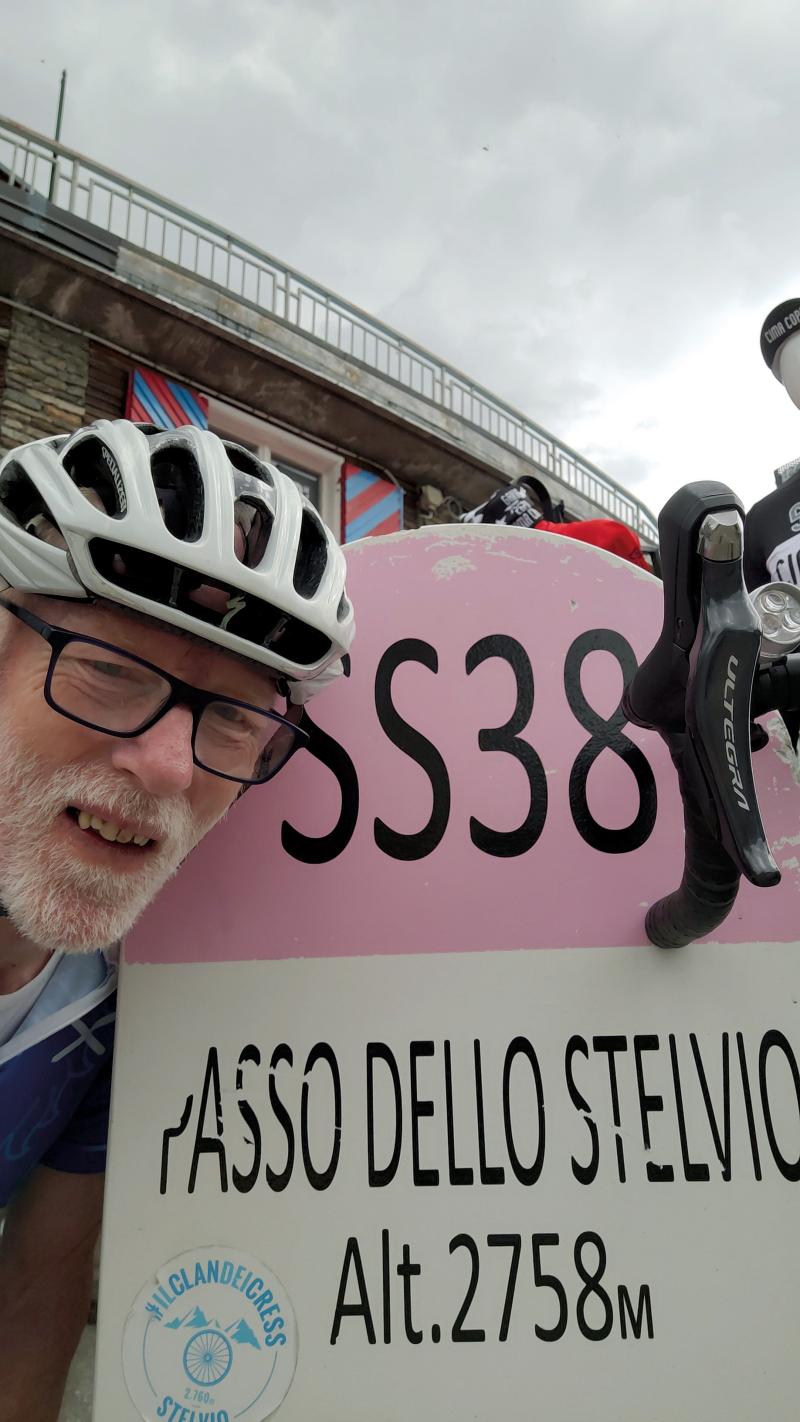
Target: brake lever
{"x":723,"y":665}
{"x":695,"y":685}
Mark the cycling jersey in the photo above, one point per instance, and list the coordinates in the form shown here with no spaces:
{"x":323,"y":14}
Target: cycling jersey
{"x":55,"y":1075}
{"x":772,"y":551}
{"x":772,"y":537}
{"x":510,"y":506}
{"x":15,"y":1006}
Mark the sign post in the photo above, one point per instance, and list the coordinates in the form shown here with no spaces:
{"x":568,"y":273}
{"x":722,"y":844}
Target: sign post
{"x":409,"y":1121}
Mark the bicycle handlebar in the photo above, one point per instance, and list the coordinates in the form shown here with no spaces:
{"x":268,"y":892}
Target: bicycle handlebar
{"x":694,"y":688}
{"x":710,"y":881}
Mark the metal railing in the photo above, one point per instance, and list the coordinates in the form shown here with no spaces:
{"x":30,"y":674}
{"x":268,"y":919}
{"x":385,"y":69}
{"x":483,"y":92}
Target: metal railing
{"x":165,"y":230}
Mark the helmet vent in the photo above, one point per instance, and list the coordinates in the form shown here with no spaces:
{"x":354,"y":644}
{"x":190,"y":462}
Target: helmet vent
{"x":248,"y":463}
{"x":94,"y":470}
{"x":207,"y":602}
{"x":179,"y":488}
{"x":22,"y":502}
{"x":312,"y":556}
{"x":252,"y":528}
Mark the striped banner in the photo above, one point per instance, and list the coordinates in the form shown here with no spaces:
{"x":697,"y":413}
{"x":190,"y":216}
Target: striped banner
{"x":371,"y":504}
{"x":154,"y":400}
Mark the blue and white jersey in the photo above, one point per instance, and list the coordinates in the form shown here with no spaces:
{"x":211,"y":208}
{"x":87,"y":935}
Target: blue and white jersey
{"x":55,"y":1075}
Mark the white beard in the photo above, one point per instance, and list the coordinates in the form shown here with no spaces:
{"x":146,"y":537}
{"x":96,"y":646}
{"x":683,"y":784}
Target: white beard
{"x":55,"y":900}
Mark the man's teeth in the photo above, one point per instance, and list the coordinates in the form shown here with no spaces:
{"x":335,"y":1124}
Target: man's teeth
{"x":109,"y":830}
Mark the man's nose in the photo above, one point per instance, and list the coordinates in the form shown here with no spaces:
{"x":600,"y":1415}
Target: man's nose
{"x":161,"y":758}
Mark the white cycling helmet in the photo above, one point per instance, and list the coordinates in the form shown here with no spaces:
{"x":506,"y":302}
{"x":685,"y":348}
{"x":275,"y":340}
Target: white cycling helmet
{"x":185,"y":527}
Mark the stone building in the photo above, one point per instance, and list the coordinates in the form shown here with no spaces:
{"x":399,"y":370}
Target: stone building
{"x":114,"y":300}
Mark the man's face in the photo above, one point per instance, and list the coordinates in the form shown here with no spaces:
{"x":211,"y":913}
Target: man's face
{"x":66,"y":792}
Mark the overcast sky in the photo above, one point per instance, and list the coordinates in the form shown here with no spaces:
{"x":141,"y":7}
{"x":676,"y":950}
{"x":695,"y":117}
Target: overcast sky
{"x":587,"y":205}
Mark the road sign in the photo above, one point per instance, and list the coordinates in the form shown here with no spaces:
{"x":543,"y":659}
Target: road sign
{"x":409,"y":1120}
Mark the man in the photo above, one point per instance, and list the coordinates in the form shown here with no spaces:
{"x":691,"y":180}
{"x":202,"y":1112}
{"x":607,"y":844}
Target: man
{"x":165,"y":593}
{"x":772,"y":525}
{"x":772,"y":536}
{"x":521,"y":506}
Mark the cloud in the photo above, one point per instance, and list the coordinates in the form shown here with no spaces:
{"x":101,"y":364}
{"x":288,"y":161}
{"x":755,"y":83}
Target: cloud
{"x":573,"y":204}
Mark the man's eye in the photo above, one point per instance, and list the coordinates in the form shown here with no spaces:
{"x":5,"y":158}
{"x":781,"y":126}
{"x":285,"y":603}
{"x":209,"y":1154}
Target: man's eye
{"x":110,"y":669}
{"x":97,"y":672}
{"x":231,"y":715}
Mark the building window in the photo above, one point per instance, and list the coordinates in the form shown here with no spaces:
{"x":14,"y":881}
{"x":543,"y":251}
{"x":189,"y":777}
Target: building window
{"x":156,"y":400}
{"x":314,"y":468}
{"x":308,"y":482}
{"x":373,"y":504}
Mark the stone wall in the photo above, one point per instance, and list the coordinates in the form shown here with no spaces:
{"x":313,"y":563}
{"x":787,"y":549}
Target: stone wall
{"x":107,"y":387}
{"x":43,"y":390}
{"x":52,"y":380}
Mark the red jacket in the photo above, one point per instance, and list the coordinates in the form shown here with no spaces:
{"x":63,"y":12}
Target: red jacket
{"x":514,"y":507}
{"x":603,"y":533}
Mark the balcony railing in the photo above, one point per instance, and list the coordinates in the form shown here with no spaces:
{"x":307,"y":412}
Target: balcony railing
{"x":161,"y":228}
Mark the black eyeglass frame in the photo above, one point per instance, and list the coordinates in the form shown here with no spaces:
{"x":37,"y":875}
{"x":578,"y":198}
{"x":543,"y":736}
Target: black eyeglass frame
{"x":182,"y":693}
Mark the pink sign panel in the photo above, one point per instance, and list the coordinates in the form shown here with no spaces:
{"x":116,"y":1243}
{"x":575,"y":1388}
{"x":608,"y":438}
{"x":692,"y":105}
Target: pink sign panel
{"x":473,"y":786}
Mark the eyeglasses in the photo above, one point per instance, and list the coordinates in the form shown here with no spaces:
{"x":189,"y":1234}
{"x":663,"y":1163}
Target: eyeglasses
{"x":110,"y":690}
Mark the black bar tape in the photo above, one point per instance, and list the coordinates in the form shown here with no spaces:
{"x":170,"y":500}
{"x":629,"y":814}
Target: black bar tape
{"x":710,"y":880}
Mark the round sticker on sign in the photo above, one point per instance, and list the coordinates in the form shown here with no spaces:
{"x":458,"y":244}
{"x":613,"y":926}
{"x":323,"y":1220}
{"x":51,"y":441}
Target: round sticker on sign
{"x":212,"y":1336}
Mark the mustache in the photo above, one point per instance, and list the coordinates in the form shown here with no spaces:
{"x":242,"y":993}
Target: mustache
{"x":49,"y":792}
{"x":52,"y":896}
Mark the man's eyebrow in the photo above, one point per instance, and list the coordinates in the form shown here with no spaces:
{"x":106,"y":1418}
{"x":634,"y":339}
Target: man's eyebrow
{"x":142,"y":619}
